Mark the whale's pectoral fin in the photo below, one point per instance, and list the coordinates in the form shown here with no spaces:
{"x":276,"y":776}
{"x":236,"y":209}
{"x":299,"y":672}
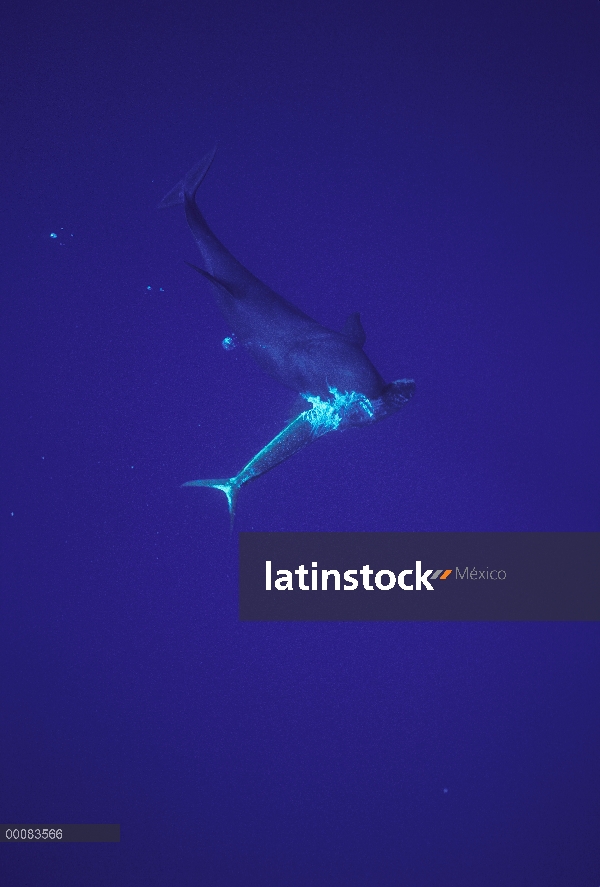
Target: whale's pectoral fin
{"x":190,"y":183}
{"x":396,"y":394}
{"x":218,"y":284}
{"x":353,"y":330}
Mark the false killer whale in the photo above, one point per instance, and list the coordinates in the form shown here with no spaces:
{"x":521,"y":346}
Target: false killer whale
{"x":328,"y":369}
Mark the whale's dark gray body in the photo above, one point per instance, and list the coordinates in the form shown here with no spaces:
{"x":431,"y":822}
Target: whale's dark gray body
{"x":328,"y":368}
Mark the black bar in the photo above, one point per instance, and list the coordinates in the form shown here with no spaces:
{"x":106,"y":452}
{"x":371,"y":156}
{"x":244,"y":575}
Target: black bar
{"x":59,"y":834}
{"x":479,"y":577}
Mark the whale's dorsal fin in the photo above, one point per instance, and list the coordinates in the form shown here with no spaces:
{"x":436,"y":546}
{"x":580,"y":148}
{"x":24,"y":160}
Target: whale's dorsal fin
{"x":353,"y":330}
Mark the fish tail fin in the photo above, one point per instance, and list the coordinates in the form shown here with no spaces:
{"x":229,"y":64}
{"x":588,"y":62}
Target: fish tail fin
{"x":190,"y":183}
{"x":229,"y":486}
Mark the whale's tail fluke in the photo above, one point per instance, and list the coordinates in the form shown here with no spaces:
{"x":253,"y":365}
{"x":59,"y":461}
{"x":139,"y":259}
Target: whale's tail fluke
{"x":190,"y":183}
{"x":230,"y":487}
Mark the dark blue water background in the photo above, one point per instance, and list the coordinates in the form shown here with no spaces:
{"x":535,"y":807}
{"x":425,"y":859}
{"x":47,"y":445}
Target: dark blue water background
{"x":434,"y":166}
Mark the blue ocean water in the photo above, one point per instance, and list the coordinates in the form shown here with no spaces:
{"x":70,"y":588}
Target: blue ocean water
{"x":433,"y":167}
